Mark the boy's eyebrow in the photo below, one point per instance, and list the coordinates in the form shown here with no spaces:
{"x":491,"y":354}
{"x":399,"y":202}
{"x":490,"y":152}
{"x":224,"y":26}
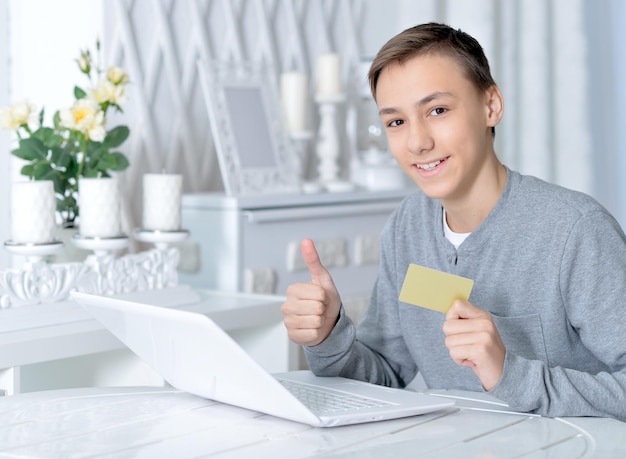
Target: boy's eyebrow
{"x":420,"y":103}
{"x":435,"y":95}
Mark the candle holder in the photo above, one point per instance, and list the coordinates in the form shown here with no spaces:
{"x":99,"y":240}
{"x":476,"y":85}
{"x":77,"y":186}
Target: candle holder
{"x":34,"y":253}
{"x":300,"y":141}
{"x":160,"y":239}
{"x":163,"y":258}
{"x":102,"y":273}
{"x":101,"y":246}
{"x":328,"y":146}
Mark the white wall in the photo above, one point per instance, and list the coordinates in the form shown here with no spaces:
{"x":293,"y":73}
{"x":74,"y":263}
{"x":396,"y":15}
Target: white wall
{"x":46,"y":38}
{"x":602,"y":84}
{"x":381,"y":23}
{"x":5,"y":159}
{"x":617,"y":116}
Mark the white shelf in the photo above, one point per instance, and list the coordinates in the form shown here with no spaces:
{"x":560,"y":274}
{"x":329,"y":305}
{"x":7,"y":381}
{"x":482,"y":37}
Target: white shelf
{"x":263,"y":201}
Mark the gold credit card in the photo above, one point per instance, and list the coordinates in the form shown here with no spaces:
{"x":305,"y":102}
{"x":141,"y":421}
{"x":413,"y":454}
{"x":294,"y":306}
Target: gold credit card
{"x":434,"y":289}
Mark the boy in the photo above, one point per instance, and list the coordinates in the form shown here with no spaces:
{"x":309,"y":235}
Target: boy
{"x":544,"y":326}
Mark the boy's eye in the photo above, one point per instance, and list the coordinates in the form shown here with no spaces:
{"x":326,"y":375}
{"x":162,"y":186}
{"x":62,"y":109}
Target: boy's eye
{"x":394,"y":123}
{"x":438,"y":111}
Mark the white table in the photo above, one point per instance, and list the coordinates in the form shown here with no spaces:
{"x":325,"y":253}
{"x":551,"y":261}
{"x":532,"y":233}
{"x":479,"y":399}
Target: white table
{"x":47,"y":337}
{"x":148,"y":422}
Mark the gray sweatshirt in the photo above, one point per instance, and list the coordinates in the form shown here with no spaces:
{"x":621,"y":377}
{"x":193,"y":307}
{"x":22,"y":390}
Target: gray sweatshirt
{"x":548,"y":263}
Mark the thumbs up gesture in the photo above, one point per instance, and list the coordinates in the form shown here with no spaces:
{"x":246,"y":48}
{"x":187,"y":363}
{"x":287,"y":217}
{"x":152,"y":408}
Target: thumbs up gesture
{"x":311,"y":309}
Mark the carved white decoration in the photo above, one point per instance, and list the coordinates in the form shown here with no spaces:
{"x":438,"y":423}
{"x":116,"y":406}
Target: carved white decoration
{"x":260,"y":280}
{"x":152,"y":269}
{"x":40,"y":282}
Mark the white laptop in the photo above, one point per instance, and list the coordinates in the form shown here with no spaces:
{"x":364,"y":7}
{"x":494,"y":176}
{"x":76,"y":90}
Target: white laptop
{"x":193,"y":354}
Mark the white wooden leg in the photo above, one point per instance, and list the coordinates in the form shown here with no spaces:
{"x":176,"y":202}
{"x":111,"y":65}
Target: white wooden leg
{"x":10,"y":381}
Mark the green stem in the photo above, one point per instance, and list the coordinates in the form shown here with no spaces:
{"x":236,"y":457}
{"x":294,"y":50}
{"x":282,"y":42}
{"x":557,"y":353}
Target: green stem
{"x":83,"y":148}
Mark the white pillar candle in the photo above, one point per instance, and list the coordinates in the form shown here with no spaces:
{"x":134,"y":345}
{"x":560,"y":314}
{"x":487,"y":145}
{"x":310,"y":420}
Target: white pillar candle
{"x":33,"y":205}
{"x":293,"y":92}
{"x":99,"y":207}
{"x":328,"y":74}
{"x":162,"y":194}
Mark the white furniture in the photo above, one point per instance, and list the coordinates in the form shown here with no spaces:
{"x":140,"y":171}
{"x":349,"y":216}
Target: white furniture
{"x":252,"y":243}
{"x":148,"y":422}
{"x":57,"y":345}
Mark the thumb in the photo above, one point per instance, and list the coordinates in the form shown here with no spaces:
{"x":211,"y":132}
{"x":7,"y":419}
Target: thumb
{"x":319,"y":274}
{"x":463,"y":310}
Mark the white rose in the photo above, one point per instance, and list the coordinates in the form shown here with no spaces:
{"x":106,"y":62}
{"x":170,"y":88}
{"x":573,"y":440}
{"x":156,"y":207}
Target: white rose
{"x":18,"y":114}
{"x":117,"y":76}
{"x":102,"y":92}
{"x":6,"y":120}
{"x":105,"y":91}
{"x":119,"y":95}
{"x":96,"y":131}
{"x":84,"y":63}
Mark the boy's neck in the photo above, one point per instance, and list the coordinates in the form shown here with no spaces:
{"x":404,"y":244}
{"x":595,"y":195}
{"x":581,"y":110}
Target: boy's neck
{"x":465,"y":214}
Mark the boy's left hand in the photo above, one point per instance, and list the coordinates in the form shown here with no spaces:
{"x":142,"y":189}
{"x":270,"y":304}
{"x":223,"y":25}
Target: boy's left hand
{"x":473,"y":340}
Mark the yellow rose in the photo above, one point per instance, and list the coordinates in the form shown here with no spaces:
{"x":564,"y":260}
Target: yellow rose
{"x":85,"y":116}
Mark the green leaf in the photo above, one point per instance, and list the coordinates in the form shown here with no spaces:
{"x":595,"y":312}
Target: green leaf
{"x":95,"y":150}
{"x":79,"y":93}
{"x":91,"y":173}
{"x":60,"y":157}
{"x":41,"y":114}
{"x":48,"y":136}
{"x":117,"y":136}
{"x":117,"y":108}
{"x":107,"y":161}
{"x":68,"y":206}
{"x":72,"y":169}
{"x":59,"y":184}
{"x":27,"y":170}
{"x":120,"y":162}
{"x":70,"y":200}
{"x":56,"y":120}
{"x":31,"y":149}
{"x":43,"y":171}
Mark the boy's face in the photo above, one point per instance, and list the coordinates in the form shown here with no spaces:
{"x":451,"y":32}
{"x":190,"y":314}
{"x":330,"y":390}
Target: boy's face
{"x":438,"y":125}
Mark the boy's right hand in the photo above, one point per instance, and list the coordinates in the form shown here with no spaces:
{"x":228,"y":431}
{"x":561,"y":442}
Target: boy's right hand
{"x":311,"y":309}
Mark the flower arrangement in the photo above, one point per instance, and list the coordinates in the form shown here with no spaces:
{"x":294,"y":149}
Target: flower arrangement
{"x":78,"y":143}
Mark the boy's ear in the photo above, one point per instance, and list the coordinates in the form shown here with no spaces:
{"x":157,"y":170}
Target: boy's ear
{"x":494,"y":105}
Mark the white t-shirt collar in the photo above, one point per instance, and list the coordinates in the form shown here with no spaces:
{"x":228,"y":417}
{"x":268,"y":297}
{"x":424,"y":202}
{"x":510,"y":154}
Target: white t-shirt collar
{"x":455,"y":238}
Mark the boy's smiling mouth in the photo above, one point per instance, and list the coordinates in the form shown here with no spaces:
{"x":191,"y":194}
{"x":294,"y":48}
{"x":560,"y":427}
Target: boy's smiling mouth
{"x":430,"y":166}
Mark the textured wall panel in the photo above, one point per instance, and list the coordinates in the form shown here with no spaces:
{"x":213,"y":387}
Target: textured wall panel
{"x":159,"y":42}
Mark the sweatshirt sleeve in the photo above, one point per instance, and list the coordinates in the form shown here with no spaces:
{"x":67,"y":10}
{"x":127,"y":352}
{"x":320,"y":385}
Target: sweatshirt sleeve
{"x":593,"y":288}
{"x":375,"y":351}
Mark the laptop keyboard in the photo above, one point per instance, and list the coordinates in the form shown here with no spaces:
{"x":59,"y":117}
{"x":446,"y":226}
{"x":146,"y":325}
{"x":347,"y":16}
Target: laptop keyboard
{"x":326,"y":401}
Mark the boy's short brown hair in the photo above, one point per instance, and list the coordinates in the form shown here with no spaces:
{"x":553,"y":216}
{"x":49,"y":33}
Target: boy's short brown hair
{"x":437,"y":39}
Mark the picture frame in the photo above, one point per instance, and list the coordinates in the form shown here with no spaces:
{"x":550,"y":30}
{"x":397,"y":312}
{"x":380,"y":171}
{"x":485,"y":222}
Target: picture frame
{"x":246,"y":124}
